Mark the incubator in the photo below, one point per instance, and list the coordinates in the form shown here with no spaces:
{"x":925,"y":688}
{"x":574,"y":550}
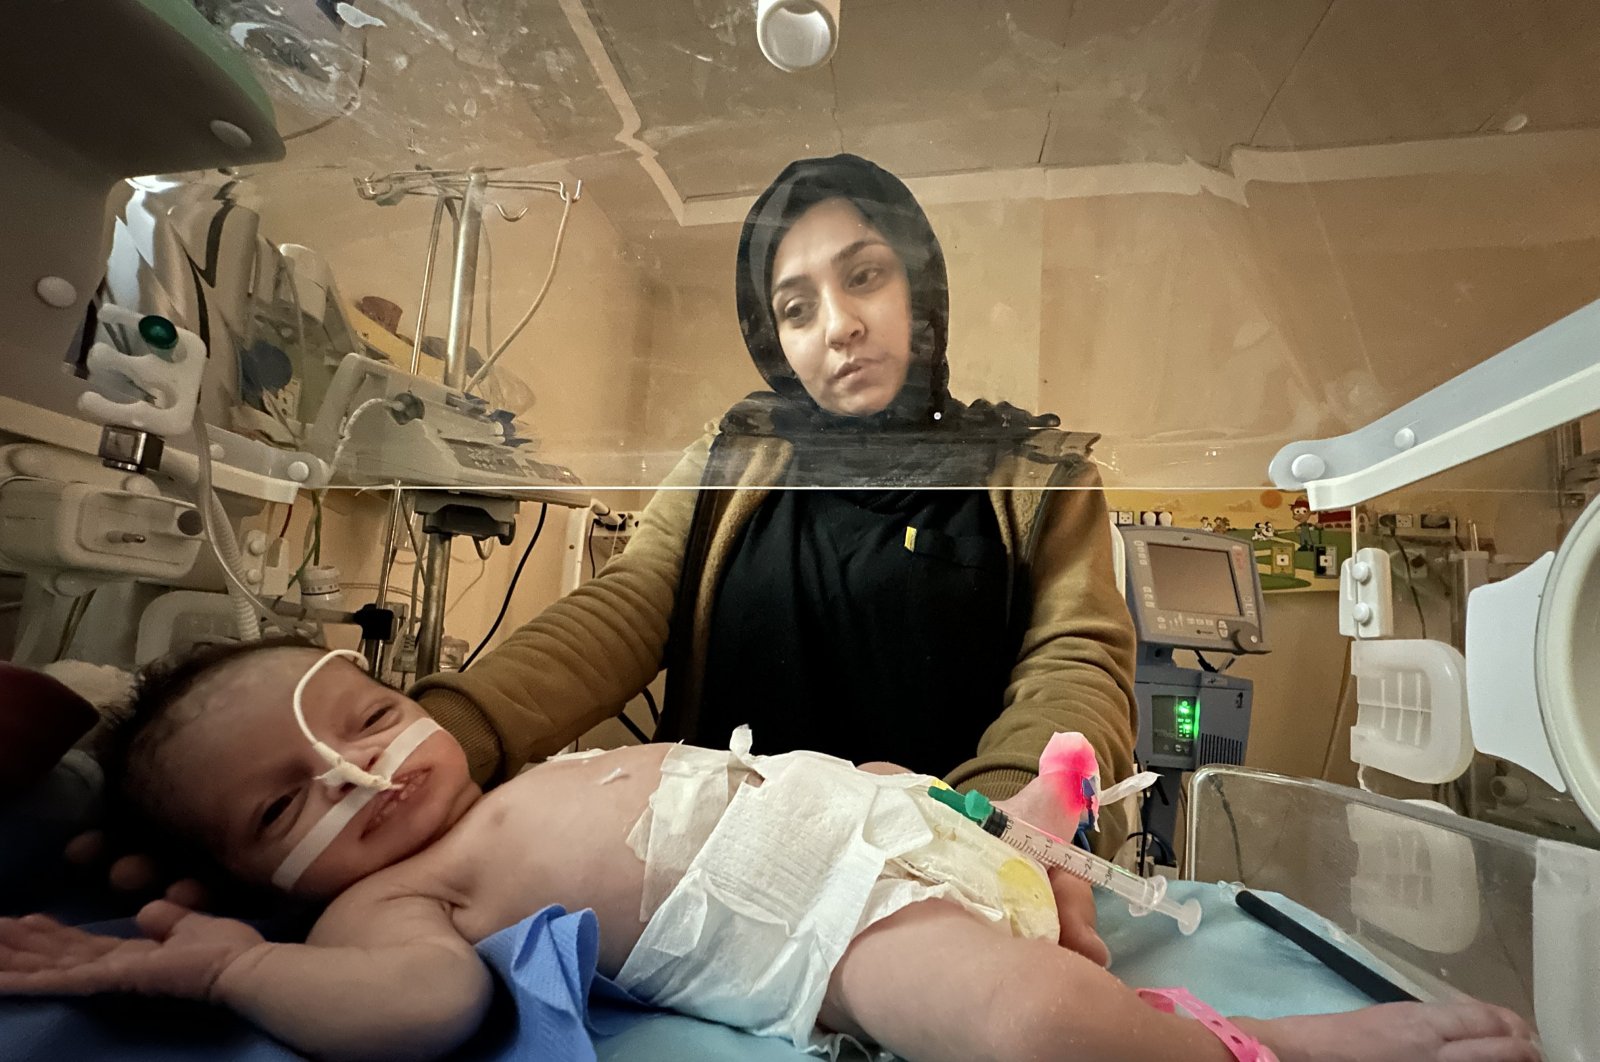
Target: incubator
{"x":317,"y":314}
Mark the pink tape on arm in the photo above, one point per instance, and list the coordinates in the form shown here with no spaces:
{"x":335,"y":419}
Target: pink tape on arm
{"x":1068,"y":766}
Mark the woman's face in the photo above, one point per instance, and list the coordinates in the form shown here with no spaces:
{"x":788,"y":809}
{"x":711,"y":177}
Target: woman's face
{"x":843,"y":310}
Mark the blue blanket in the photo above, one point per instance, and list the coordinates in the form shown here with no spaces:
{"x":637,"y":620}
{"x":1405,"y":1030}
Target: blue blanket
{"x":546,"y":973}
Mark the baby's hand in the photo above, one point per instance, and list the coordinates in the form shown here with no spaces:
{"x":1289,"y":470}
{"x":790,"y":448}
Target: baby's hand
{"x":1401,"y":1032}
{"x":183,"y":955}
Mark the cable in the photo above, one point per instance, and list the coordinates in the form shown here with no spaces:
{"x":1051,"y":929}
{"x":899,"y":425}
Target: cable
{"x":287,"y":518}
{"x":219,"y":532}
{"x":633,"y":728}
{"x":538,"y":300}
{"x":483,"y":567}
{"x":544,"y":510}
{"x":69,"y":630}
{"x":1410,"y":582}
{"x":1338,"y":710}
{"x":348,"y":427}
{"x":348,"y":109}
{"x":589,"y":549}
{"x":650,"y":703}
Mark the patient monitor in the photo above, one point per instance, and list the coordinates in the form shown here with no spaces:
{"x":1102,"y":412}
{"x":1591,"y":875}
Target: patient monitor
{"x":1199,"y":591}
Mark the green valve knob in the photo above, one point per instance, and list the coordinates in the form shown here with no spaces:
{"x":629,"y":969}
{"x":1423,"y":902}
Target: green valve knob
{"x":974,"y":805}
{"x":160,"y":334}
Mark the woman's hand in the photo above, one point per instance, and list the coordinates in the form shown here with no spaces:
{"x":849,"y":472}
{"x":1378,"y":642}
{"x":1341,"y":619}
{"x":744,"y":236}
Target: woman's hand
{"x":133,"y":872}
{"x":1036,"y":805}
{"x":182,"y":955}
{"x":1401,"y":1032}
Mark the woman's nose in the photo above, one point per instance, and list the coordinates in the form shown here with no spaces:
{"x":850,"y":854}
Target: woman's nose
{"x":842,"y":322}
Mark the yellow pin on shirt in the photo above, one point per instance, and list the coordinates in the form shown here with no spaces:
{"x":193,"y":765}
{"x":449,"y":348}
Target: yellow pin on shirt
{"x":911,"y":539}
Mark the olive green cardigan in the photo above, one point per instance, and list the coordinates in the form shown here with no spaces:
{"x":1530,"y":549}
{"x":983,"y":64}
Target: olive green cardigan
{"x":583,"y":658}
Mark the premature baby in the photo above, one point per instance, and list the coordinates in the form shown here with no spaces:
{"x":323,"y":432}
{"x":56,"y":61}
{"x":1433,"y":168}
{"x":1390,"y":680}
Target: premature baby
{"x":295,"y":768}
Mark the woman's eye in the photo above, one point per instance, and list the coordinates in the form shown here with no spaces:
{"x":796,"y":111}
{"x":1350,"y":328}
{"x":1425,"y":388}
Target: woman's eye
{"x":275,"y":811}
{"x":376,"y":717}
{"x":793,"y":311}
{"x":865,"y":275}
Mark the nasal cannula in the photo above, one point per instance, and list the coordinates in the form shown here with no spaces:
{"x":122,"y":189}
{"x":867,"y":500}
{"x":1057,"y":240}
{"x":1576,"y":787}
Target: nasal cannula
{"x":1143,"y":894}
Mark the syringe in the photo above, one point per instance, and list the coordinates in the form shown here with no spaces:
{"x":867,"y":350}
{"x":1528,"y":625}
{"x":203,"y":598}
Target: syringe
{"x":1143,"y":894}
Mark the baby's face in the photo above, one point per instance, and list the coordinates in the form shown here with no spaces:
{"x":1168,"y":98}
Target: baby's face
{"x":249,"y":775}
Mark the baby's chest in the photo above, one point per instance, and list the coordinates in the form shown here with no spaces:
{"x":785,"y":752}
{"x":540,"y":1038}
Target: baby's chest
{"x":554,"y":838}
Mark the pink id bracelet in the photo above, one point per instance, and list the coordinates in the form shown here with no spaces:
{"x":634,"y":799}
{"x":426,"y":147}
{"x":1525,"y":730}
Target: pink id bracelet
{"x":1244,"y":1048}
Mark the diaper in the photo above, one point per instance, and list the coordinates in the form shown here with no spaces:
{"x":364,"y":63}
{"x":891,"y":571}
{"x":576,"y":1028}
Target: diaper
{"x":760,"y":870}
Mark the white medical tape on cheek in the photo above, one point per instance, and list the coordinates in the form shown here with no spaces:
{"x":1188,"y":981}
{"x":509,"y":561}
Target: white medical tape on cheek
{"x":321,"y":835}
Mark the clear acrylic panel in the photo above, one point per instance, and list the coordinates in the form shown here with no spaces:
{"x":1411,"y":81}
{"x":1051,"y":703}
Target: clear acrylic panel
{"x":1195,"y":230}
{"x":1456,"y":905}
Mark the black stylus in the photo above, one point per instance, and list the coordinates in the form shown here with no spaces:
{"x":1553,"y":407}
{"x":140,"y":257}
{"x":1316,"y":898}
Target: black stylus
{"x":1357,"y":973}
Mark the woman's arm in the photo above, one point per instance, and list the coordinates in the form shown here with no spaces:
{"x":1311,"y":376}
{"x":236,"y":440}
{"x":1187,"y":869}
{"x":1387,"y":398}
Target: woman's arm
{"x":1074,"y":669}
{"x":584,"y":657}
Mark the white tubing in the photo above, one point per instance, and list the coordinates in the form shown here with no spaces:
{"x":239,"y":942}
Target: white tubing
{"x":333,"y":822}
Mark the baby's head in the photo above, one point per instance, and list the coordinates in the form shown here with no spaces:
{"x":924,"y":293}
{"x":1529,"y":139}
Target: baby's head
{"x":212,"y":755}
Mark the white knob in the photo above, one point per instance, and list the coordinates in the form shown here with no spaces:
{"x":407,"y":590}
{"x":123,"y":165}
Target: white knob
{"x":56,"y":291}
{"x":216,"y":451}
{"x":1405,"y":439}
{"x":1361,"y":572}
{"x":231,"y":134}
{"x":255,"y":543}
{"x":1362,"y":612}
{"x":299,"y":471}
{"x":253,"y":576}
{"x":1307,"y":467}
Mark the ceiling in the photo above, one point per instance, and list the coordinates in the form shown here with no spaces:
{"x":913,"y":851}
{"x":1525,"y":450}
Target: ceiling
{"x":921,"y":86}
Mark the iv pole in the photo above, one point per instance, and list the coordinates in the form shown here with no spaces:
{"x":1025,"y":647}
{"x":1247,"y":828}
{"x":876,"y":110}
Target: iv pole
{"x":463,"y":194}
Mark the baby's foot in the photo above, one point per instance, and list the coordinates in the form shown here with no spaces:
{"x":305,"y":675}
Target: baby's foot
{"x":1401,"y":1032}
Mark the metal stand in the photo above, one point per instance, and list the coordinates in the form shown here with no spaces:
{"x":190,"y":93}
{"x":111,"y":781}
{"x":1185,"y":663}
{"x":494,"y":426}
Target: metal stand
{"x":464,"y":195}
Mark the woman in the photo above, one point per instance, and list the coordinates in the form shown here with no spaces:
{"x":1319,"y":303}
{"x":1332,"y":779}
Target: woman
{"x":951,"y":631}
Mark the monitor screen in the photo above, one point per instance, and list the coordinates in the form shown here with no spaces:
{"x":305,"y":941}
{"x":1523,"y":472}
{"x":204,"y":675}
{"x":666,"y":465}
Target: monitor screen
{"x":1193,"y":580}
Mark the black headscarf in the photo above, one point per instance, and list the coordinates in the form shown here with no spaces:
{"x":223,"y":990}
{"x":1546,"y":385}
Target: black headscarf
{"x":924,"y":437}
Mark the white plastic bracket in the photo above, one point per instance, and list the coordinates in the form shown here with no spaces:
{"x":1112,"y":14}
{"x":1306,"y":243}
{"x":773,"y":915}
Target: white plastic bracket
{"x":1538,"y":383}
{"x":1502,"y":693}
{"x":142,"y":388}
{"x":1411,"y":709}
{"x":1366,"y":595}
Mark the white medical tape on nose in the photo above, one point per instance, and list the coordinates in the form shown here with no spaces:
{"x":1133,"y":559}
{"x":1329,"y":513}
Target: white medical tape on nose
{"x":320,"y":836}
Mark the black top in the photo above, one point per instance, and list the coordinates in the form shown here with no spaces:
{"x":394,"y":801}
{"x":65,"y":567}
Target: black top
{"x":836,"y":632}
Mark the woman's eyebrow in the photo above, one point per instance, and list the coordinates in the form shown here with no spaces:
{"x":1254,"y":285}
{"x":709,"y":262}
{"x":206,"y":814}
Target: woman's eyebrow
{"x":849,"y":252}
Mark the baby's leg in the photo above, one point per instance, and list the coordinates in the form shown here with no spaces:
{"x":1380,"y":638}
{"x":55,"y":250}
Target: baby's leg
{"x":931,"y":982}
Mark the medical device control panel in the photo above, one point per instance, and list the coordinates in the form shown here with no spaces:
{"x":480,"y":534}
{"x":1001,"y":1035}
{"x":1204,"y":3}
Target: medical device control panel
{"x":1194,"y":590}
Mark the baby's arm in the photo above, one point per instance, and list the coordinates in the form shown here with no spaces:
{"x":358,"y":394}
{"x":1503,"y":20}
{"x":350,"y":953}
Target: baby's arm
{"x":385,"y":979}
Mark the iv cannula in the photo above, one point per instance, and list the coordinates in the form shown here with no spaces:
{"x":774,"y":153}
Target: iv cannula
{"x":1142,"y":894}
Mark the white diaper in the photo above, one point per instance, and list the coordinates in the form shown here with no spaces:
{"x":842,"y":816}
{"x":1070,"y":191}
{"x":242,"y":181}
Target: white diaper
{"x":753,"y":891}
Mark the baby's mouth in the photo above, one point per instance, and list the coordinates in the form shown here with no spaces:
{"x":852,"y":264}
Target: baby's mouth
{"x":390,"y":801}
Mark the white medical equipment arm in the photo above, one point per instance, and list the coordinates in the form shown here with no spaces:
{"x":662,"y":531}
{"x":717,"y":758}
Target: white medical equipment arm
{"x":1530,"y":699}
{"x":1536,"y":384}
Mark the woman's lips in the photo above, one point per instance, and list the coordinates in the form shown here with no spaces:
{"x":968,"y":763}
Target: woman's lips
{"x":852,"y":369}
{"x":392,"y":801}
